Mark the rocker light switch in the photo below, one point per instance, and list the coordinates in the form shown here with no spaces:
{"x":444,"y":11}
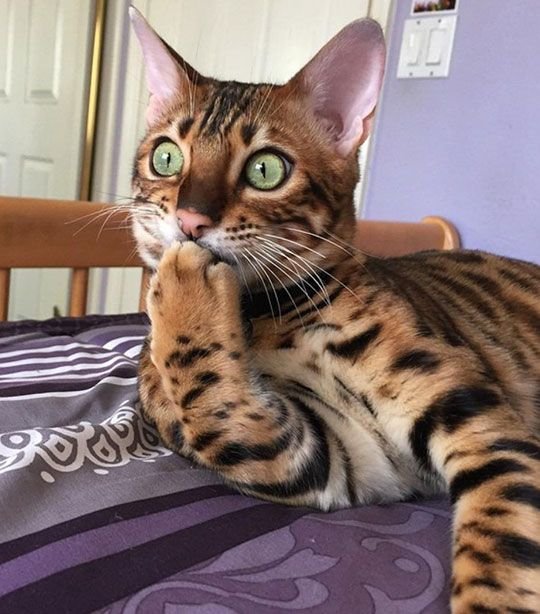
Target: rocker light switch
{"x":413,"y":48}
{"x":435,"y":48}
{"x":426,"y":47}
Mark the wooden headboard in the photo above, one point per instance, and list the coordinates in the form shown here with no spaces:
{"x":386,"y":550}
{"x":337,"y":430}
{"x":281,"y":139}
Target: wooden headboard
{"x":58,"y":233}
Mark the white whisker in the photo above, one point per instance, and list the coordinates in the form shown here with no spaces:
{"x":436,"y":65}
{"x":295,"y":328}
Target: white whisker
{"x":321,"y":238}
{"x":257,"y":272}
{"x":319,"y":267}
{"x":320,"y":291}
{"x":279,"y":266}
{"x":286,"y":289}
{"x":263,"y":103}
{"x":314,"y":251}
{"x":288,"y":254}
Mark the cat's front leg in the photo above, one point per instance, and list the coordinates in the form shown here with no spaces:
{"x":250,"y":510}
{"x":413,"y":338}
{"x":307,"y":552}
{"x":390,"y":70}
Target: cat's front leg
{"x":492,"y":465}
{"x":196,"y":344}
{"x":209,"y":403}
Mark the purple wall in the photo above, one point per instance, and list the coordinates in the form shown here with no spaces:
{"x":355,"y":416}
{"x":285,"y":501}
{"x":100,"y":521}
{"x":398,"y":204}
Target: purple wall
{"x":467,"y":147}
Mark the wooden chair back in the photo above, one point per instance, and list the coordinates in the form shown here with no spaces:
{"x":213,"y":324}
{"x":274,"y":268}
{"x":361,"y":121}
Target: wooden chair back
{"x":74,"y":234}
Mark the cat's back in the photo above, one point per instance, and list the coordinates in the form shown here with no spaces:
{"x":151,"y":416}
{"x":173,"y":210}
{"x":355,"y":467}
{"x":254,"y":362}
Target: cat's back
{"x":473,"y":302}
{"x":478,"y":295}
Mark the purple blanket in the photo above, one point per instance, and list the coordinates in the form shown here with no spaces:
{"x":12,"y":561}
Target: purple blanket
{"x":96,"y":515}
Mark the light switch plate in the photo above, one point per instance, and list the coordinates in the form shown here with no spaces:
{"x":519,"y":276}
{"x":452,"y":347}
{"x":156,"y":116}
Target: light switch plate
{"x":426,"y":47}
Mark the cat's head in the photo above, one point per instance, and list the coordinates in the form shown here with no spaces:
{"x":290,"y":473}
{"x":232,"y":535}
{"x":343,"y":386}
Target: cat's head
{"x":262,"y":175}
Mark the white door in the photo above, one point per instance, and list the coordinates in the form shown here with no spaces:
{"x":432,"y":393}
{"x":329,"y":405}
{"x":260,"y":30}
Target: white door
{"x":43,"y":66}
{"x":262,"y":40}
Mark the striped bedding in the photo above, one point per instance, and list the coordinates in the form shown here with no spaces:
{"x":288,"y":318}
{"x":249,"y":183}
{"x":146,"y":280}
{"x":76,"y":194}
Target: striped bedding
{"x":97,"y":516}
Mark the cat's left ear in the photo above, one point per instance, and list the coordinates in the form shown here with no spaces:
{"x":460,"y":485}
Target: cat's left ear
{"x":342,"y":82}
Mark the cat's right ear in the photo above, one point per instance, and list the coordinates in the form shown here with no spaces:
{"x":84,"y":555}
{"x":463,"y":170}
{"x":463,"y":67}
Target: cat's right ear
{"x":168,"y":77}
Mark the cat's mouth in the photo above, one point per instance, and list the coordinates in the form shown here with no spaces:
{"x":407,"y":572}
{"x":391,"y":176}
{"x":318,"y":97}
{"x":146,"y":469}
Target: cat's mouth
{"x":223,"y":258}
{"x":218,"y":255}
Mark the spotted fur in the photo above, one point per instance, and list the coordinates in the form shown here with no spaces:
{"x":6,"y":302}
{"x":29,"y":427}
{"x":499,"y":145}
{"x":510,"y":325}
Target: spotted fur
{"x":308,"y":373}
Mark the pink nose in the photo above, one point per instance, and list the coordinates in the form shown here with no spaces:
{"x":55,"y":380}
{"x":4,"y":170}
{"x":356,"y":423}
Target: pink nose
{"x":193,"y":224}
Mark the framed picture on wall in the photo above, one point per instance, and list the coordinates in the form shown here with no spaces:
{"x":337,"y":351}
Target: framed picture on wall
{"x":434,"y":6}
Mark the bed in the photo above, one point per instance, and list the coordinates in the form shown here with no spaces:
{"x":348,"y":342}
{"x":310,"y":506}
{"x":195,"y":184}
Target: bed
{"x":97,"y":516}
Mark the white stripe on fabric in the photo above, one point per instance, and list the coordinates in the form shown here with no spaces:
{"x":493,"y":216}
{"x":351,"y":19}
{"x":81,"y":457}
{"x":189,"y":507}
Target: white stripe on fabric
{"x":40,"y":374}
{"x":132,"y":352}
{"x":62,"y":359}
{"x":110,"y":345}
{"x":52,"y":348}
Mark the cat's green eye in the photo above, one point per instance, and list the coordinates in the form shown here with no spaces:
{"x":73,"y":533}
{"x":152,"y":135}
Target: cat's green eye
{"x":266,"y":170}
{"x":167,"y":159}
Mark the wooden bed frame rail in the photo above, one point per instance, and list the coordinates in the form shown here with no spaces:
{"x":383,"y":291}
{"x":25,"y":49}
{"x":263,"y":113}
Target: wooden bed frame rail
{"x":81,"y":235}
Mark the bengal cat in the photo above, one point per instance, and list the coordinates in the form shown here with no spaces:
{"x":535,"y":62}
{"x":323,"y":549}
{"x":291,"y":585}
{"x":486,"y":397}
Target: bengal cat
{"x":303,"y":371}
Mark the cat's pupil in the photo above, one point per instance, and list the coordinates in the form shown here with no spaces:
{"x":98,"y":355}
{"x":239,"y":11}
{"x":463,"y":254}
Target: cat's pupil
{"x":167,"y":157}
{"x":262,"y":168}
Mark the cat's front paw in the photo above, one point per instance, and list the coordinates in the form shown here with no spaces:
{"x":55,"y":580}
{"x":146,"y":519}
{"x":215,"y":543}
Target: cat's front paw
{"x":192,"y":299}
{"x":182,"y":267}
